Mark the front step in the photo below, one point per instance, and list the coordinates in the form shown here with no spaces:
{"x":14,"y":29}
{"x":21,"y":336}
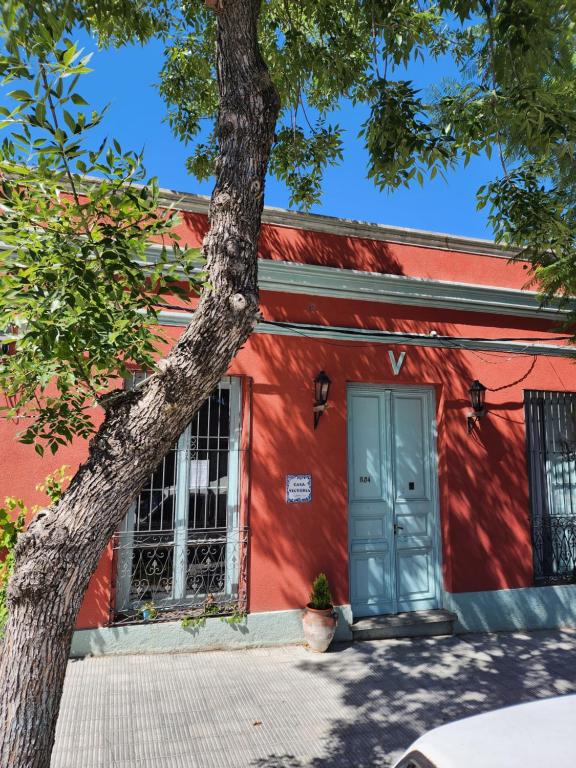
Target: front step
{"x":417,"y":624}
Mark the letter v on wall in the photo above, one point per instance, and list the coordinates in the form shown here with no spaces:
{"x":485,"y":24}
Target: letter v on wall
{"x":396,"y":363}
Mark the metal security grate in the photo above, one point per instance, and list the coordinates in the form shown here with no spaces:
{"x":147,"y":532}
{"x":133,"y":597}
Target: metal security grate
{"x":551,"y":443}
{"x":181,"y":544}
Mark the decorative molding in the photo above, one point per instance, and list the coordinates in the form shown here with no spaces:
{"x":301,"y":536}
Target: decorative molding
{"x":291,"y":277}
{"x":314,"y":222}
{"x":361,"y":335}
{"x":333,"y":225}
{"x":355,"y":285}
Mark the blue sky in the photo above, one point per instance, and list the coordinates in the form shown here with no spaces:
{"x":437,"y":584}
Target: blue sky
{"x":125,"y":78}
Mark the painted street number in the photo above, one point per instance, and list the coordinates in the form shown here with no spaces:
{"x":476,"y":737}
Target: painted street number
{"x":364,"y":478}
{"x":298,"y":488}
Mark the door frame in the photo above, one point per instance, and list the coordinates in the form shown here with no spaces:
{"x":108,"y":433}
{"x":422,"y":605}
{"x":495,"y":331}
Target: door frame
{"x":430,"y":391}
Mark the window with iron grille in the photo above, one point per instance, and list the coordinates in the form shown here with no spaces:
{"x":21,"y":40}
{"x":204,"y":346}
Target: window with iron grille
{"x":551,"y":443}
{"x":181,"y":545}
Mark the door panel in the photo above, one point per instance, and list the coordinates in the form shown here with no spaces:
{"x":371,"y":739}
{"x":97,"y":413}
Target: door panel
{"x":415,"y":580}
{"x":366,"y":477}
{"x":371,"y":578}
{"x":414,"y":508}
{"x":368,"y":527}
{"x":371,"y":523}
{"x":410,"y":449}
{"x":392,"y":504}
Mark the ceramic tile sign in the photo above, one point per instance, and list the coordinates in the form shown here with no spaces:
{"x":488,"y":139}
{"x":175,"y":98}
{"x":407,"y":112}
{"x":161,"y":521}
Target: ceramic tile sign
{"x":298,"y":488}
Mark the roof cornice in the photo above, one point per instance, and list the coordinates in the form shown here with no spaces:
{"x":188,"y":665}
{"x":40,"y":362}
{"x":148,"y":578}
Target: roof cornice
{"x":314,"y":222}
{"x":294,"y":277}
{"x":354,"y":285}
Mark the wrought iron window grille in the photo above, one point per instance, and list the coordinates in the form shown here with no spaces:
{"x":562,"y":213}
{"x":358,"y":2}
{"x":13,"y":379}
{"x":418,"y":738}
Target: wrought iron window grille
{"x":551,"y":445}
{"x":182,"y":546}
{"x":215,"y":564}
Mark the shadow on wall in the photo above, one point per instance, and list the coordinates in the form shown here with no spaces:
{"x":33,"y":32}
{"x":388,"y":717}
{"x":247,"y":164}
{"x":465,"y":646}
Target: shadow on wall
{"x":95,"y":609}
{"x":393,"y":692}
{"x":483,"y":476}
{"x":300,"y":245}
{"x":324,"y":249}
{"x":509,"y":610}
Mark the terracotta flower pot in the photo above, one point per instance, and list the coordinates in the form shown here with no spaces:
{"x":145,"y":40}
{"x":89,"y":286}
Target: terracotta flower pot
{"x":319,"y":627}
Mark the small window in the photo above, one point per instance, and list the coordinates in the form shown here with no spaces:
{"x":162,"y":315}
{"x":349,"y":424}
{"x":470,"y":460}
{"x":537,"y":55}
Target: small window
{"x":551,"y":444}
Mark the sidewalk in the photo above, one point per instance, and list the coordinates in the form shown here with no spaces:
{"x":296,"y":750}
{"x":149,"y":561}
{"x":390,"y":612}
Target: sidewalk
{"x":358,"y":706}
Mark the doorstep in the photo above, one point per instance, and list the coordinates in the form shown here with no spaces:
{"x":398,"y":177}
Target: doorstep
{"x":416,"y":624}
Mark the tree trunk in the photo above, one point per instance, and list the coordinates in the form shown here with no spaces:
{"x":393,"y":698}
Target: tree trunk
{"x":57,"y":555}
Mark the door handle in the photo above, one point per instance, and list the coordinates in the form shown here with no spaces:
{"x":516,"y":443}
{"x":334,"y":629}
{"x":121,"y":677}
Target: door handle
{"x":397,"y":528}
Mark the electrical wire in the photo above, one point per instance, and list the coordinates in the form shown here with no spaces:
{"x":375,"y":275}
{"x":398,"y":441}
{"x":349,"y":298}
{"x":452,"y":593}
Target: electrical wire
{"x":301,"y":328}
{"x":410,"y":335}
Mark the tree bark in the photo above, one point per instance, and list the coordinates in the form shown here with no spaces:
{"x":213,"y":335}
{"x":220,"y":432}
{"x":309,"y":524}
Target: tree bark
{"x":57,"y":555}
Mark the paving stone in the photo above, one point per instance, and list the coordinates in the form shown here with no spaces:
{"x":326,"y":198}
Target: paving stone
{"x":357,"y":706}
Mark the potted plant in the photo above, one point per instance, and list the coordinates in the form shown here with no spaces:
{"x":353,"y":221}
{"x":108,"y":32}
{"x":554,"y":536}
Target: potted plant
{"x":148,"y":611}
{"x":319,"y":618}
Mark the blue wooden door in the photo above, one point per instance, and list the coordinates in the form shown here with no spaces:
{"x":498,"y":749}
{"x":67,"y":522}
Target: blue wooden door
{"x":393,"y":535}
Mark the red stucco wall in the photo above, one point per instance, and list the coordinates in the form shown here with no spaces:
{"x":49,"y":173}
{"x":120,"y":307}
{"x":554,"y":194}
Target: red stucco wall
{"x":482,"y":477}
{"x":331,"y":250}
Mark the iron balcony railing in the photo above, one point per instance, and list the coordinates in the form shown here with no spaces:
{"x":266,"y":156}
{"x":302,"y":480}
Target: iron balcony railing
{"x":160,"y":577}
{"x":554,"y":542}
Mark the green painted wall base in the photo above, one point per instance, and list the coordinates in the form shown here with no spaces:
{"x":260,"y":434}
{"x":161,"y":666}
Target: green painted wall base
{"x":511,"y":609}
{"x":496,"y":611}
{"x":258,"y":629}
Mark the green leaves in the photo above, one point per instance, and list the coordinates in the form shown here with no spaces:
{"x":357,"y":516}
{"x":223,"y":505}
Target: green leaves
{"x":20,"y":95}
{"x":78,"y":283}
{"x":318,"y":53}
{"x":386,"y":36}
{"x":79,"y":289}
{"x":12,"y":518}
{"x":401,"y":143}
{"x":530,"y":212}
{"x":299,"y":159}
{"x":512,"y":95}
{"x":13,"y":514}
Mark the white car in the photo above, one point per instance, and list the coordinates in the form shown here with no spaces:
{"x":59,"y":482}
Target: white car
{"x":541,"y":734}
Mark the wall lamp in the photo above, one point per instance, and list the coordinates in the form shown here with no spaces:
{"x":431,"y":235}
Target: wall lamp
{"x":477,"y":394}
{"x":321,"y":392}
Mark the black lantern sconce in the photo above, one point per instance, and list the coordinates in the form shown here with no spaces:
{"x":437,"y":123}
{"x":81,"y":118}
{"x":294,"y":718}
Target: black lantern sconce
{"x":321,"y":392}
{"x":477,"y":394}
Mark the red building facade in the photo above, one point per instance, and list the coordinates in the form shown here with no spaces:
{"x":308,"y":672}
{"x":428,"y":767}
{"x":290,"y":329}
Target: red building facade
{"x":401,"y":499}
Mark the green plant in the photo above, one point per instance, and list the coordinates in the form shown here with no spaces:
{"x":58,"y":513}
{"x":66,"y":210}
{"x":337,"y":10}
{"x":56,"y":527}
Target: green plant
{"x":320,"y":597}
{"x":199,"y":620}
{"x":211,"y":608}
{"x":237,"y":616}
{"x":193,"y":622}
{"x":13,"y":516}
{"x":53,"y":485}
{"x":79,"y":292}
{"x":148,"y":610}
